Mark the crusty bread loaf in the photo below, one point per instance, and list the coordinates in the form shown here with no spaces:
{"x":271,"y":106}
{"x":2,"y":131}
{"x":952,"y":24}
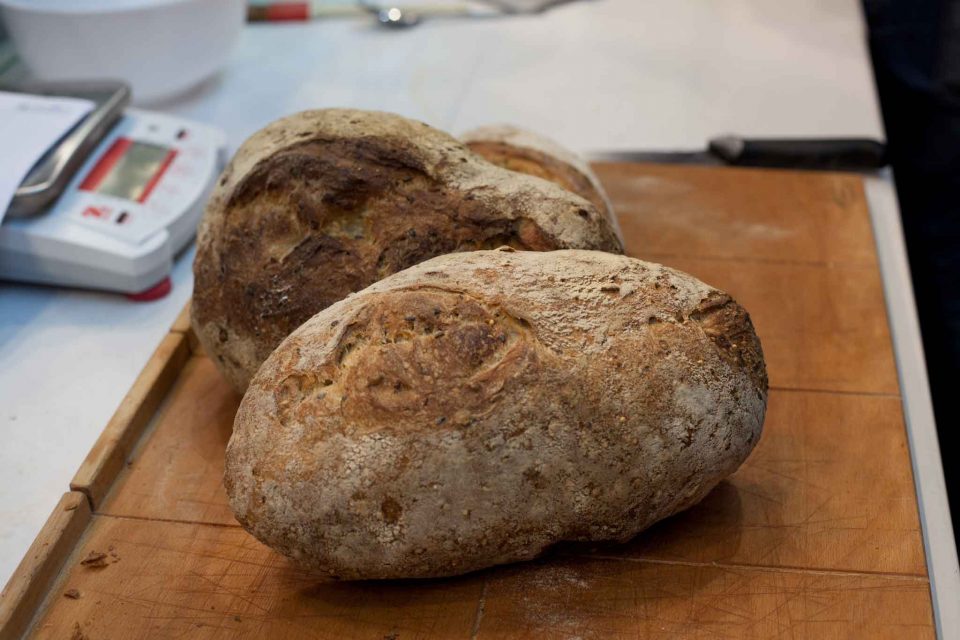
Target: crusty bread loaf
{"x":536,"y":155}
{"x":323,"y":203}
{"x":479,"y":407}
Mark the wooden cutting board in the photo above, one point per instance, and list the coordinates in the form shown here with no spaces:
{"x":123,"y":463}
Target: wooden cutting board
{"x":817,"y":536}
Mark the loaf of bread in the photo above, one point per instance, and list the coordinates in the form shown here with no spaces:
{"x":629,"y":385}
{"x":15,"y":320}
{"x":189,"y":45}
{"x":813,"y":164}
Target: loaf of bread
{"x":536,"y":155}
{"x":323,"y":203}
{"x":479,"y":407}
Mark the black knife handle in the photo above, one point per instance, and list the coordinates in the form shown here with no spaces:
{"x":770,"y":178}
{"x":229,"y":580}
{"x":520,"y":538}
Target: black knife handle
{"x":838,"y":154}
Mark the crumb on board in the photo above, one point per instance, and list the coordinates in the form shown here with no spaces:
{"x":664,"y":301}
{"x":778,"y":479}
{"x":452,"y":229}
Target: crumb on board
{"x":99,"y":559}
{"x":95,"y":559}
{"x":78,"y":633}
{"x":73,"y":594}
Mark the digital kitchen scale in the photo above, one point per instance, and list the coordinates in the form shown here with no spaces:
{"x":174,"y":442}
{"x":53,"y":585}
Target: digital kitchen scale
{"x":115,"y":200}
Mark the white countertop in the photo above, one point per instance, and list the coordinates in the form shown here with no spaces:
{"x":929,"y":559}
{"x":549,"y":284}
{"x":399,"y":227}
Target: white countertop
{"x":595,"y":75}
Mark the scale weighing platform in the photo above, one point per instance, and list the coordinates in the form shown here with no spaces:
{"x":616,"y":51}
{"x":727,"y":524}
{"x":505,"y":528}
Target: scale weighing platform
{"x":132,"y":203}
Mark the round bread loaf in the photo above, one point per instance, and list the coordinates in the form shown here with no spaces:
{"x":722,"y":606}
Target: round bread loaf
{"x":323,"y":203}
{"x":520,"y":150}
{"x":479,"y":407}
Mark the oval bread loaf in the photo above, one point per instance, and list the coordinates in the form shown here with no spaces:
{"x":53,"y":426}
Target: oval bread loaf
{"x":479,"y":407}
{"x":527,"y":152}
{"x":323,"y":203}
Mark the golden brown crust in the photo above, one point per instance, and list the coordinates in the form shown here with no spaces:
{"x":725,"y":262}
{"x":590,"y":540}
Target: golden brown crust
{"x":324,"y":203}
{"x":479,"y":407}
{"x":541,"y":165}
{"x":533,"y":154}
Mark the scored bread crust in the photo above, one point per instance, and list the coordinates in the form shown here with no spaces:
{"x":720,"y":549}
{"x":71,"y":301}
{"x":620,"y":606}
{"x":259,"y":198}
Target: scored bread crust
{"x":478,"y":407}
{"x":527,"y":152}
{"x":323,"y":203}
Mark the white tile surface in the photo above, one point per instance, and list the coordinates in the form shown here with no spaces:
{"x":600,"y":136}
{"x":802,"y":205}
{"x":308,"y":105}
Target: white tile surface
{"x":66,"y":360}
{"x":594,"y":74}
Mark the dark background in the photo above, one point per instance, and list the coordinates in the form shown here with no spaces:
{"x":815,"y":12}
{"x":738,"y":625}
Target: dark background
{"x":915,"y":45}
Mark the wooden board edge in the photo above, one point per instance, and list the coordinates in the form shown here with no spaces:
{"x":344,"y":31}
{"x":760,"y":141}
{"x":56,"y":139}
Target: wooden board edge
{"x":38,"y":570}
{"x":182,"y":325}
{"x":108,"y":454}
{"x":599,"y":159}
{"x":194,"y":343}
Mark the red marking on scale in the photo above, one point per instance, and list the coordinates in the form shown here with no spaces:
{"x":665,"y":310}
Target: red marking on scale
{"x":155,"y":292}
{"x":96,"y":212}
{"x":152,"y":184}
{"x":283,"y":11}
{"x":106,"y":163}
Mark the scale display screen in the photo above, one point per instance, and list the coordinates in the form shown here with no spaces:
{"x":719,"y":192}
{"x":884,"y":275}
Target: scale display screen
{"x":129,"y":169}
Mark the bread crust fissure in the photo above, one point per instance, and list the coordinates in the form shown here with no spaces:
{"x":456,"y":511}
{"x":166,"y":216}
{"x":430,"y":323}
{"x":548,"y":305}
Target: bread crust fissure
{"x":385,"y":367}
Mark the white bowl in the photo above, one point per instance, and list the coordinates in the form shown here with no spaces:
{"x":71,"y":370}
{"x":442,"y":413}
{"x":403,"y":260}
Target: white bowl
{"x":160,"y":47}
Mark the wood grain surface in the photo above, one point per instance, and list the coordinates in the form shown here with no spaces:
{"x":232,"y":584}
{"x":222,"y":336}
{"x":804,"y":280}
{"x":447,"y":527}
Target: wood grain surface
{"x":822,"y":328}
{"x":816,"y":536}
{"x":589,"y":598}
{"x":817,"y":510}
{"x":820,"y":509}
{"x":177,"y":472}
{"x":741,"y":214}
{"x":201,"y":581}
{"x":107,"y":457}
